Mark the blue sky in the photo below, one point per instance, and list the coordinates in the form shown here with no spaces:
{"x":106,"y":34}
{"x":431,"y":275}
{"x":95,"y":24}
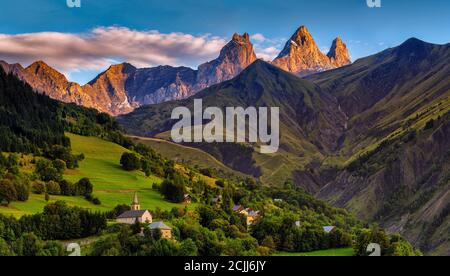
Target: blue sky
{"x":207,"y":25}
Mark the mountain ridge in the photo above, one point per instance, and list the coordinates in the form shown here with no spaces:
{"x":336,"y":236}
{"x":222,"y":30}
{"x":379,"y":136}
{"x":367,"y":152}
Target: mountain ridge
{"x":122,"y":87}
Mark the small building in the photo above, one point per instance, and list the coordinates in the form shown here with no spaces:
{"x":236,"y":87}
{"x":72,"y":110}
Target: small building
{"x":329,"y":229}
{"x":135,"y":214}
{"x":217,"y":200}
{"x":166,"y":231}
{"x":298,"y":223}
{"x":187,"y":199}
{"x":278,"y":200}
{"x":238,"y":208}
{"x":251,"y":215}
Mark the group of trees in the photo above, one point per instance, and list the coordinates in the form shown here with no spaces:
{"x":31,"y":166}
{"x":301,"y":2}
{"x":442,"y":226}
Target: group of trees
{"x":279,"y":232}
{"x":146,"y":159}
{"x":174,"y":188}
{"x":34,"y":235}
{"x":14,"y":188}
{"x":389,"y":245}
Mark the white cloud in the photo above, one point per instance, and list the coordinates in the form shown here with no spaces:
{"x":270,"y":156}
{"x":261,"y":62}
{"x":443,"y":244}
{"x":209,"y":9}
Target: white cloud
{"x":267,"y":54}
{"x":99,"y":48}
{"x":258,"y":37}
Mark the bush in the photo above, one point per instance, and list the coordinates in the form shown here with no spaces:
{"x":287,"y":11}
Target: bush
{"x":22,"y":190}
{"x":173,"y":190}
{"x":85,"y":187}
{"x":53,"y":188}
{"x":59,"y":165}
{"x":7,"y":191}
{"x":130,"y":161}
{"x":38,"y":187}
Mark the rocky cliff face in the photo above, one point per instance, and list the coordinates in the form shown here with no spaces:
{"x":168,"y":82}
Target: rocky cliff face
{"x":160,"y":84}
{"x":338,"y":54}
{"x":302,"y":56}
{"x":234,"y":57}
{"x":108,"y":90}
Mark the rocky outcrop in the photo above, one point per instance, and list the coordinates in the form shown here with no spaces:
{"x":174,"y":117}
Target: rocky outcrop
{"x":338,"y":54}
{"x":302,"y":56}
{"x":234,"y":57}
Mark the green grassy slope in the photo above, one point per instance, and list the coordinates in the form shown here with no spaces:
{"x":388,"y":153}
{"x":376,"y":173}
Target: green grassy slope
{"x":184,"y":154}
{"x":112,"y":185}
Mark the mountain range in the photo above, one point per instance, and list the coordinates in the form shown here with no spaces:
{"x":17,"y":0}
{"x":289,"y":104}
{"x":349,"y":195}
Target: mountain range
{"x":371,"y":136}
{"x":122,"y":87}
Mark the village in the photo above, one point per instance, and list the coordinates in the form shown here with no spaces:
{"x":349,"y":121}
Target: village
{"x":143,"y":216}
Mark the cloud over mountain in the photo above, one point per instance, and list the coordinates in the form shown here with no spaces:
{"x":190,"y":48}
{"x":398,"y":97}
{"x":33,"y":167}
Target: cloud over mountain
{"x":100,"y":47}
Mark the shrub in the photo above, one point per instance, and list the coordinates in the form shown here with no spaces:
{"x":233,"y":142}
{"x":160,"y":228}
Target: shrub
{"x":130,"y":161}
{"x":53,"y":188}
{"x":38,"y":187}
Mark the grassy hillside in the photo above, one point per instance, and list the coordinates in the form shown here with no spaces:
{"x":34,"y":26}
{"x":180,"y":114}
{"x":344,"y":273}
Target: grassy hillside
{"x":112,"y":184}
{"x":187,"y":155}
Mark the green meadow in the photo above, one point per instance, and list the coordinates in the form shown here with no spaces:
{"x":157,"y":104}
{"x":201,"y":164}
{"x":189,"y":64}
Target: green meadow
{"x":112,"y":184}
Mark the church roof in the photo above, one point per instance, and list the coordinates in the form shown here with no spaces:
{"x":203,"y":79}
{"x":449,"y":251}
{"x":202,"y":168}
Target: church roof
{"x":159,"y":225}
{"x":132,"y":214}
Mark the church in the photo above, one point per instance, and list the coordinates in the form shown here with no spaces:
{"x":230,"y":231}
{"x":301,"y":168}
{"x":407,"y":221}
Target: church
{"x":130,"y":217}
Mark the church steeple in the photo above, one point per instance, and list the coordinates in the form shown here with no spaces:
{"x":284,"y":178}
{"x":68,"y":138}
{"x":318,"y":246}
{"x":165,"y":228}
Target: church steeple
{"x":135,"y":204}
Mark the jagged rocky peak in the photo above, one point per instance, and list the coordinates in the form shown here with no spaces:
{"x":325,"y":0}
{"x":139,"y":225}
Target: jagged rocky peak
{"x":234,"y":57}
{"x":338,"y":53}
{"x":42,"y":69}
{"x":302,"y":56}
{"x":245,"y":38}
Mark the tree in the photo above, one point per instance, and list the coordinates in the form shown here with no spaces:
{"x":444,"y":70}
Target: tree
{"x":47,"y":172}
{"x":68,"y":188}
{"x":85,"y":187}
{"x":188,"y":248}
{"x":53,"y":188}
{"x":28,"y":245}
{"x":22,"y":188}
{"x":38,"y":187}
{"x":59,"y":165}
{"x":5,"y":248}
{"x":7,"y":191}
{"x":173,"y":190}
{"x":130,"y":161}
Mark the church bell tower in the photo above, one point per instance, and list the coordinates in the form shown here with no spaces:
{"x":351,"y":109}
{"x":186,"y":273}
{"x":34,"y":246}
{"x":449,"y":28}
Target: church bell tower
{"x":135,"y":204}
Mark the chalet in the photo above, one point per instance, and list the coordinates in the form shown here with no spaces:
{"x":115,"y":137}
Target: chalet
{"x":329,"y":229}
{"x":187,"y":199}
{"x":135,"y":214}
{"x":251,"y":215}
{"x":166,"y":231}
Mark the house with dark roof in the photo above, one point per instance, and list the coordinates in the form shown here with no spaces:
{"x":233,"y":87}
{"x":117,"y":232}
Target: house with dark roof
{"x":166,"y":231}
{"x":135,"y":214}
